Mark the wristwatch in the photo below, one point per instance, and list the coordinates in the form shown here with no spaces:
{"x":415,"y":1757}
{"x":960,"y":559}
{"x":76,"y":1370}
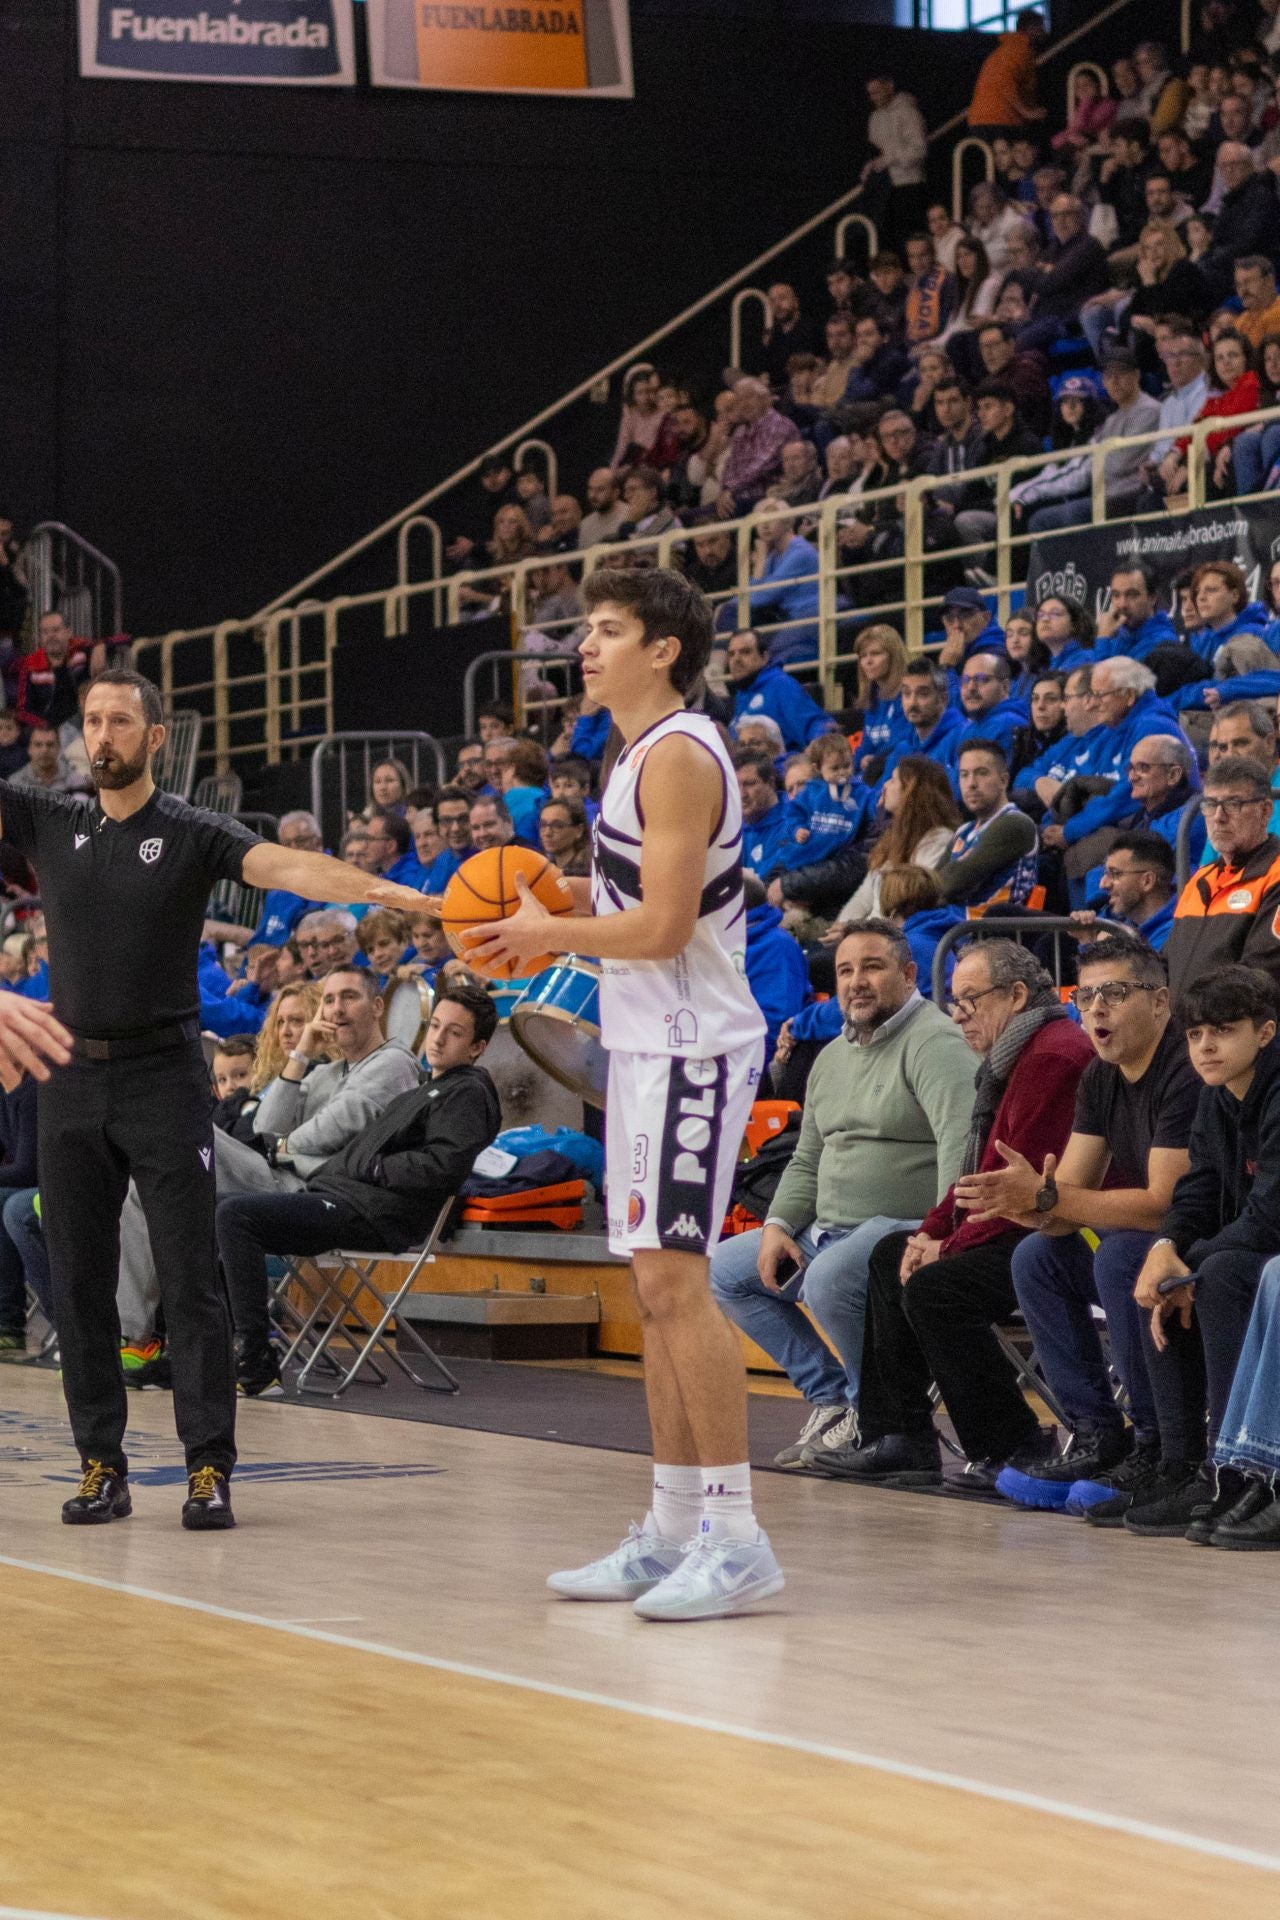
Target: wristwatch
{"x":1047,"y":1195}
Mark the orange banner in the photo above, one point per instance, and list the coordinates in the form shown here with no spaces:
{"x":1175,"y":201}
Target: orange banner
{"x":570,"y":47}
{"x":499,"y":48}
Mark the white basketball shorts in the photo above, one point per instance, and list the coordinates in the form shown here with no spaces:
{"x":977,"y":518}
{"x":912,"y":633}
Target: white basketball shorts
{"x":673,"y":1128}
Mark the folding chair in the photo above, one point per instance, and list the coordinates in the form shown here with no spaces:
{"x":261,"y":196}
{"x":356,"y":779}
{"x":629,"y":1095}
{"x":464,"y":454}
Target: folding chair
{"x":335,"y":1303}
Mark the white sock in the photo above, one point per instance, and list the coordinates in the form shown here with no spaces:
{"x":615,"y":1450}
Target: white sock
{"x":677,"y":1502}
{"x":726,"y":1503}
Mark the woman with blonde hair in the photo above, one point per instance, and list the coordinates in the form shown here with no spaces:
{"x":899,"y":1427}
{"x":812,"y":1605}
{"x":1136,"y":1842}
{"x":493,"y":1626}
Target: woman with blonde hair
{"x":923,"y":819}
{"x":512,"y":540}
{"x":282,"y":1029}
{"x":881,"y":658}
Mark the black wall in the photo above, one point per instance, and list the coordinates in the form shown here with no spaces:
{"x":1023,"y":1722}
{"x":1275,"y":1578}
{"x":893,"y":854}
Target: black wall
{"x":242,"y":325}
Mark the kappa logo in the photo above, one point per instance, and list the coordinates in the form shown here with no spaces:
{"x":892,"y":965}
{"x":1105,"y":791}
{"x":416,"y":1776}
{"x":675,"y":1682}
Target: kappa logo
{"x":685,"y":1227}
{"x":149,"y":851}
{"x":81,"y":838}
{"x":206,"y":1158}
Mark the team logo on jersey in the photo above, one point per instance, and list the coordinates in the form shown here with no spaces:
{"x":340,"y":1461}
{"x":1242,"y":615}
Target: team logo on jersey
{"x":683,"y":1028}
{"x":683,"y":1228}
{"x":80,"y":839}
{"x":206,"y":1157}
{"x":635,"y":1211}
{"x":1239,"y":899}
{"x":149,"y":851}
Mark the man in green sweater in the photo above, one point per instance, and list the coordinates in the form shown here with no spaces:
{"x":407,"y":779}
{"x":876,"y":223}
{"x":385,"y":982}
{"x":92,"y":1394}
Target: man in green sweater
{"x":885,"y":1123}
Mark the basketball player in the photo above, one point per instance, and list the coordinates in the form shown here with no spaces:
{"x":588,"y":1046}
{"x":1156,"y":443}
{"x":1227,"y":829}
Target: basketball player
{"x":685,"y":1041}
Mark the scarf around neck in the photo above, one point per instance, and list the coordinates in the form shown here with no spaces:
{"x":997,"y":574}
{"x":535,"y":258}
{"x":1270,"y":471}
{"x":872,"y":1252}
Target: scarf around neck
{"x":992,"y":1075}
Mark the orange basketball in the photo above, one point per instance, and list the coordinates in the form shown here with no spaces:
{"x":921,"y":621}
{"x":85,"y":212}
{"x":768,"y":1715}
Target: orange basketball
{"x":484,"y":889}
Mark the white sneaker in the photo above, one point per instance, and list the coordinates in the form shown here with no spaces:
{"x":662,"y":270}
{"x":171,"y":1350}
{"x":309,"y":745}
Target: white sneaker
{"x":840,"y":1433}
{"x":820,"y":1418}
{"x":715,"y":1577}
{"x":641,"y":1563}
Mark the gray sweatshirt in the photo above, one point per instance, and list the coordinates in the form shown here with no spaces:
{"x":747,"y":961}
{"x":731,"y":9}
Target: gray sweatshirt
{"x":334,"y":1103}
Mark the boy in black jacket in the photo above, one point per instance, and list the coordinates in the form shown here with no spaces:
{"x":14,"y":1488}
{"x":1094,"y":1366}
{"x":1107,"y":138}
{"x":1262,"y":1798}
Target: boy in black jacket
{"x":1221,"y":1229}
{"x":382,"y":1192}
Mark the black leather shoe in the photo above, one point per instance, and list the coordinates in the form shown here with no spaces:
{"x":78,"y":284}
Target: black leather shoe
{"x":207,"y":1507}
{"x":103,"y":1495}
{"x":1231,"y":1485}
{"x":904,"y":1459}
{"x":1253,"y":1524}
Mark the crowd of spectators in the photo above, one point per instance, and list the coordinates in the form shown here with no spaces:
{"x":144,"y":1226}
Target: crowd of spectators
{"x":1115,"y":276}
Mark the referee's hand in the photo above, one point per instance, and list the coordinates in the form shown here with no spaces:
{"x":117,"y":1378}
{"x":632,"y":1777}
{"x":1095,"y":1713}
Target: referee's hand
{"x":31,"y":1040}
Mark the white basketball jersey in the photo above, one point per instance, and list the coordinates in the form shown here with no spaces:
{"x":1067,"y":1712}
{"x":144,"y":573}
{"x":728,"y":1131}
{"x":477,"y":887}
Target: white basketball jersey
{"x":697,"y":1004}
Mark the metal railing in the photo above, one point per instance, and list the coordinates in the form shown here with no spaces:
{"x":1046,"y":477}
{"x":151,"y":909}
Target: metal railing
{"x":392,"y":743}
{"x":67,"y":574}
{"x":290,"y":689}
{"x":1007,"y":926}
{"x":599,"y":385}
{"x":1182,"y":845}
{"x":517,"y":662}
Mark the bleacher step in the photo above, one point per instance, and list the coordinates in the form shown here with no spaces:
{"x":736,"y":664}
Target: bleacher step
{"x":503,"y":1324}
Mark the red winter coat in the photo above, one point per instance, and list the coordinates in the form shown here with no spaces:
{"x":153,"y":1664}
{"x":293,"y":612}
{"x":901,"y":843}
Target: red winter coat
{"x":1034,"y":1116}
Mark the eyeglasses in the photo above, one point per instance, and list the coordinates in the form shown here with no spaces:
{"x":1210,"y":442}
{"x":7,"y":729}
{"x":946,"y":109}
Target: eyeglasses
{"x":1112,"y":993}
{"x":967,"y":1004}
{"x":1125,"y":873}
{"x":1232,"y":809}
{"x":977,"y":679}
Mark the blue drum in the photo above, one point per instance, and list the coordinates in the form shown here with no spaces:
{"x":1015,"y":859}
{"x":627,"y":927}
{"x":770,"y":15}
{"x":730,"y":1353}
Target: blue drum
{"x":506,"y":995}
{"x":557,"y":1022}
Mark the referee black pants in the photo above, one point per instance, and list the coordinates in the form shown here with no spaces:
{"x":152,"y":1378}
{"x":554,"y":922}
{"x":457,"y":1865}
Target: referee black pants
{"x":100,"y":1123}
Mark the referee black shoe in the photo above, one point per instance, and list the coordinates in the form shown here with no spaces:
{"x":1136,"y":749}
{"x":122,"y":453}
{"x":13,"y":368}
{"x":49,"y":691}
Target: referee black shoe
{"x":207,"y":1507}
{"x":103,"y":1495}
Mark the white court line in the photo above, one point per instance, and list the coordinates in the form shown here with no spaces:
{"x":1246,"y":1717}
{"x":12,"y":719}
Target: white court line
{"x":847,"y":1756}
{"x":36,"y":1913}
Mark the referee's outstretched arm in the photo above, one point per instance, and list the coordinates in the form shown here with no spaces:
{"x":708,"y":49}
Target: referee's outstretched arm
{"x":317,"y":876}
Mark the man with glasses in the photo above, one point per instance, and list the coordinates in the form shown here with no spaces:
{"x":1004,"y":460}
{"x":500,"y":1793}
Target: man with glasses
{"x":1128,"y":1147}
{"x":1160,"y":773}
{"x":328,"y":939}
{"x":1228,"y":910}
{"x":453,"y":824}
{"x":989,"y":712}
{"x":1137,"y":883}
{"x":1122,"y":699}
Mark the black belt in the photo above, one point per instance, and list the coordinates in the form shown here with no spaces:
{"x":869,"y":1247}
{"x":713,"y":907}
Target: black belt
{"x":132,"y":1046}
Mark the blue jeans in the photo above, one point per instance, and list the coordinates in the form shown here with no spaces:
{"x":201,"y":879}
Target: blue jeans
{"x":21,"y":1231}
{"x":1250,"y":1434}
{"x":1058,"y":1281}
{"x":833,"y":1285}
{"x":1253,"y":454}
{"x":1075,"y":512}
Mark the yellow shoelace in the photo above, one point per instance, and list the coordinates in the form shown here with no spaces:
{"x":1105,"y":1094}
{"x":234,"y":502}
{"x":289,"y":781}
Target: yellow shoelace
{"x":204,"y":1483}
{"x":94,"y":1475}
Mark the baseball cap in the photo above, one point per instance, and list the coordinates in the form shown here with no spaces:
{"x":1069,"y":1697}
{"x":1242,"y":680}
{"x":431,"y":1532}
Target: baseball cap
{"x":966,"y":599}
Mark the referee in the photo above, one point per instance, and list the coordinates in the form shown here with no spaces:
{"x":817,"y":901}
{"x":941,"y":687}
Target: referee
{"x":124,"y":881}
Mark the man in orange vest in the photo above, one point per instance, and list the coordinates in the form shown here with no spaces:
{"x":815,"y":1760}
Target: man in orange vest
{"x":1230,"y":910}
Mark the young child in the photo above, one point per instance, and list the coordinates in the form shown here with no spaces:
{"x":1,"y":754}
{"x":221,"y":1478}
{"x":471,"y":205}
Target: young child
{"x":384,"y":940}
{"x":1219,"y":1232}
{"x":835,"y":807}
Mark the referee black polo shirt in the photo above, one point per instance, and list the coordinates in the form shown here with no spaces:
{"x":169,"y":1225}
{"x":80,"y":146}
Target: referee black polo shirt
{"x":124,"y":902}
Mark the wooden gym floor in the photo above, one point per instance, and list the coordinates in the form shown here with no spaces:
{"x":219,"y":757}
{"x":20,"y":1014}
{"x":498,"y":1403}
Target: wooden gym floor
{"x":361,"y":1705}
